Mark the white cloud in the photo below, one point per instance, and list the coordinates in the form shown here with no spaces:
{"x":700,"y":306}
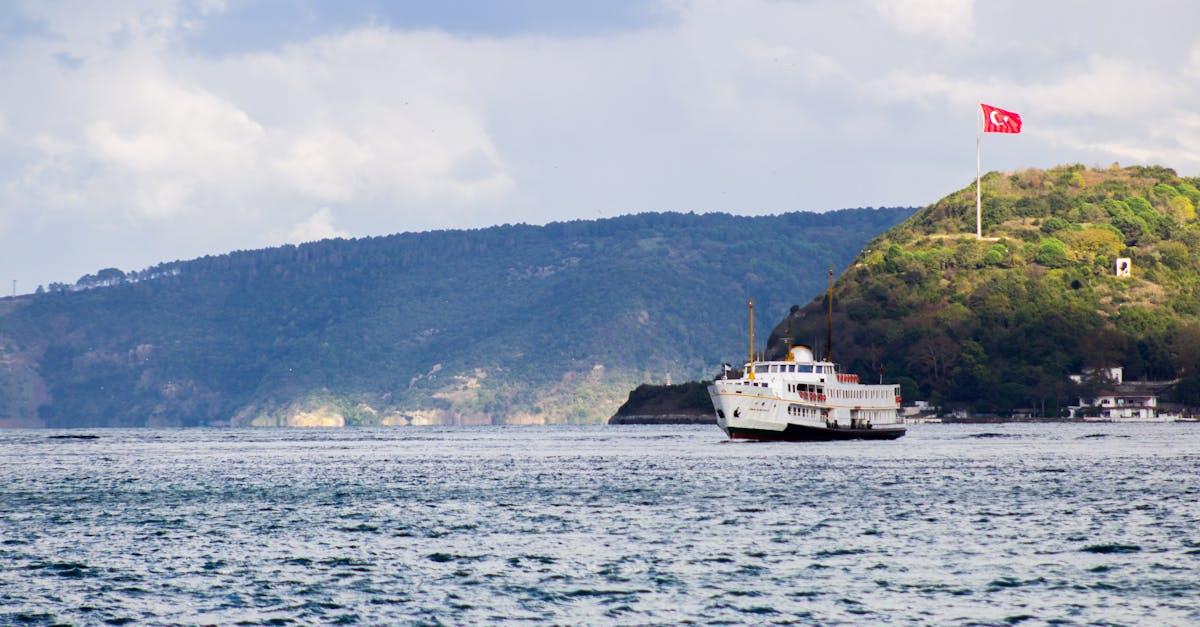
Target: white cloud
{"x":1193,"y":66}
{"x":1109,"y":87}
{"x":442,"y":155}
{"x":751,"y":106}
{"x":168,"y":144}
{"x":950,"y":20}
{"x":161,"y":127}
{"x":318,"y":226}
{"x":324,"y":164}
{"x":1105,"y":107}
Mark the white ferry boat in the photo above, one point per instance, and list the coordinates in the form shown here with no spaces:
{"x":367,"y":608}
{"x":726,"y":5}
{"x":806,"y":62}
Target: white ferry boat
{"x":803,"y":399}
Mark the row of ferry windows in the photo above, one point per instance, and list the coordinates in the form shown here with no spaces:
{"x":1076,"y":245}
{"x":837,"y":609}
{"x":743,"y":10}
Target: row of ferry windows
{"x":862,"y":393}
{"x":800,"y":410}
{"x":764,"y":368}
{"x":804,"y":387}
{"x":874,"y":393}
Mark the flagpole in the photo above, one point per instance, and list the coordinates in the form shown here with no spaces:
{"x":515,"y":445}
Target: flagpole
{"x":978,"y":193}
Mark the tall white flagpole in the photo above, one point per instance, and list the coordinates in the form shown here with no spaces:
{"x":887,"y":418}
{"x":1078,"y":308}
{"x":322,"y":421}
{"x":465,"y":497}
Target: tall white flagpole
{"x":978,"y":193}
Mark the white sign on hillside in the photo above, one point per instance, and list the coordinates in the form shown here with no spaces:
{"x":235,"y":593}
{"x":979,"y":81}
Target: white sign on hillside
{"x":1124,"y":267}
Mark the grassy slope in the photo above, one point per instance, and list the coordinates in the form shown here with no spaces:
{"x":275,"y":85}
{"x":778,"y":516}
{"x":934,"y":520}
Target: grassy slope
{"x":999,"y":324}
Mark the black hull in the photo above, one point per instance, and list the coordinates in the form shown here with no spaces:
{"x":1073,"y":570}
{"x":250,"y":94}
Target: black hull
{"x":798,"y":433}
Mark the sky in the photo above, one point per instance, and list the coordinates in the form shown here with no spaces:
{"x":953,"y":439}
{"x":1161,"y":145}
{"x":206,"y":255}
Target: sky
{"x":140,"y":131}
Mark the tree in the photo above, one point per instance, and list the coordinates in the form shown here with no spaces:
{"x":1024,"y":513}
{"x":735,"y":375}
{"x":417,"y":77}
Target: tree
{"x":1182,"y":209}
{"x":1190,"y":192}
{"x":1052,"y":252}
{"x":1094,"y":241}
{"x":1187,"y":391}
{"x":1131,"y":226}
{"x":1054,"y":224}
{"x":995,"y":255}
{"x":934,"y":356}
{"x":1186,"y":349}
{"x":1173,"y":254}
{"x":909,"y":389}
{"x":110,"y":276}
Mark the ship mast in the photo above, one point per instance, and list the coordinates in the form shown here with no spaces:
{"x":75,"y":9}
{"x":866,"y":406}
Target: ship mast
{"x":829,"y":321}
{"x":750,"y":367}
{"x":789,"y":337}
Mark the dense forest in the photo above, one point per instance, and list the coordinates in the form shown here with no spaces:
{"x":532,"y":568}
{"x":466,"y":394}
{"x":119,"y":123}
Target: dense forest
{"x":507,"y":324}
{"x":998,"y":324}
{"x":688,"y":398}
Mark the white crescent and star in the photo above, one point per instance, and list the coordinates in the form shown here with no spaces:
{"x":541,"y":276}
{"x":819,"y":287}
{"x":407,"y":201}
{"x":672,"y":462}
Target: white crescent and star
{"x":995,"y":121}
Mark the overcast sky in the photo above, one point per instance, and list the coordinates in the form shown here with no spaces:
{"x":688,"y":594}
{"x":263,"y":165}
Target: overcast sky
{"x":133,"y":132}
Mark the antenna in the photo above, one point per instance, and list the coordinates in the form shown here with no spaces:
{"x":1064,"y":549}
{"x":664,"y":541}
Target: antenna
{"x":829,"y":321}
{"x":789,"y":336}
{"x":750,"y":367}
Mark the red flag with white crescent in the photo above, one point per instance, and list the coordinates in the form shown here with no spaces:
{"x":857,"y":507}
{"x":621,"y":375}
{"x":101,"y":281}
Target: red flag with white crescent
{"x":997,"y":120}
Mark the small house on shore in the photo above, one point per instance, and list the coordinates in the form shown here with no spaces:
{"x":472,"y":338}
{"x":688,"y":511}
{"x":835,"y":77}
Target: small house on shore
{"x":1117,"y":400}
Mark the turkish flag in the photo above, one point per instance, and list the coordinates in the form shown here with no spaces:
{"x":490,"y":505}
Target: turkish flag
{"x":997,"y":120}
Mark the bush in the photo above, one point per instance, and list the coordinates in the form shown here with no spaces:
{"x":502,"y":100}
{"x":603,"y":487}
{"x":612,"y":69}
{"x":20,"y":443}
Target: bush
{"x":1096,"y":240}
{"x":1054,"y":224}
{"x":1089,"y":212}
{"x":1190,"y":191}
{"x":1182,"y":209}
{"x":1166,"y":191}
{"x":1142,"y":209}
{"x":995,"y":255}
{"x":1173,"y":254}
{"x":1052,"y":252}
{"x":1141,"y":321}
{"x":896,"y":259}
{"x":1132,"y":227}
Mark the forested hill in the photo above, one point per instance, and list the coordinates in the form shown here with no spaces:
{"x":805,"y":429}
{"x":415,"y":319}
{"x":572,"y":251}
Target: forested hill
{"x":516,"y":324}
{"x":999,"y":324}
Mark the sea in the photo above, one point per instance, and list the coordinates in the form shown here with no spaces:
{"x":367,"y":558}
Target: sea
{"x":950,"y":525}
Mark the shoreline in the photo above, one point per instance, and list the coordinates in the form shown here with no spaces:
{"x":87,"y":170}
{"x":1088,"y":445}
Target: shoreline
{"x":664,"y":419}
{"x":692,"y":419}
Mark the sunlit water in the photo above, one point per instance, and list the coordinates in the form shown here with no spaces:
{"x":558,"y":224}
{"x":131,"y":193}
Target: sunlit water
{"x":951,"y":524}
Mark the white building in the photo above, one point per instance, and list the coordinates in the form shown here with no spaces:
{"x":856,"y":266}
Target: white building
{"x":919,"y":412}
{"x":1118,"y":401}
{"x":1118,"y":406}
{"x":1114,"y":375}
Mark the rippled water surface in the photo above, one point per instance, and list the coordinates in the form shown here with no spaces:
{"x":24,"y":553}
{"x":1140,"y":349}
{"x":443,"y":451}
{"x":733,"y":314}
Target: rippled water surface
{"x":951,"y":524}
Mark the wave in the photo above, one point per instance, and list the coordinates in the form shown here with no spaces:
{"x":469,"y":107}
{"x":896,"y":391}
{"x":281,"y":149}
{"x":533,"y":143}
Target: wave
{"x":1111,"y":548}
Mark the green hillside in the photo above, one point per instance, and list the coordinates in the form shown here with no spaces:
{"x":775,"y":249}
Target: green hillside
{"x":511,"y":324}
{"x":998,"y":324}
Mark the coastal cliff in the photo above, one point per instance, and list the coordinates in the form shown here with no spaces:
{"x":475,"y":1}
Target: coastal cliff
{"x":684,"y":403}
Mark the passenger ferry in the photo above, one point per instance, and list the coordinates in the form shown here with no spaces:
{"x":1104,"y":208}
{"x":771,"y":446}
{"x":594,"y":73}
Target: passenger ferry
{"x":804,"y":399}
